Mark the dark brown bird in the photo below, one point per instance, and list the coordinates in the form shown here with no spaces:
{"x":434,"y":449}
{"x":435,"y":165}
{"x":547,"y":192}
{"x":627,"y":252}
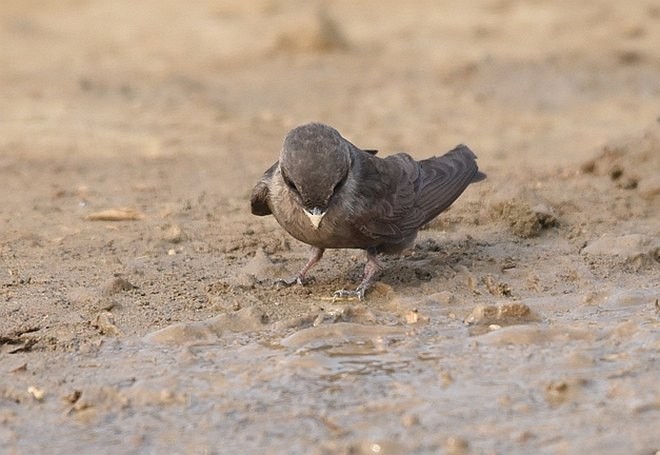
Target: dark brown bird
{"x":328,"y":193}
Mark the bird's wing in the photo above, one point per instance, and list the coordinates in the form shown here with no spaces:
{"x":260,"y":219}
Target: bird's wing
{"x":418,"y":191}
{"x":443,"y":180}
{"x":391,"y":185}
{"x":259,"y":199}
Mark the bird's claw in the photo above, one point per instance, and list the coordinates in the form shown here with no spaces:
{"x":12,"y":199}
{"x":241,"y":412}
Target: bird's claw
{"x":344,"y":294}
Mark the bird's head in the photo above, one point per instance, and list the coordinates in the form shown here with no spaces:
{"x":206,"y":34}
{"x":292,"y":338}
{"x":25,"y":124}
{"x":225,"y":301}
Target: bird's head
{"x":314,"y":164}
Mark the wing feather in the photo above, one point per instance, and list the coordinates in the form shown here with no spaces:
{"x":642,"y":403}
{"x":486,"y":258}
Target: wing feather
{"x":444,"y":180}
{"x":260,"y":197}
{"x":418,"y":192}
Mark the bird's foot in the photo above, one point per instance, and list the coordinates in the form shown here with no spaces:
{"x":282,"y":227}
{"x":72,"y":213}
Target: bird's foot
{"x":344,"y":294}
{"x":370,"y":270}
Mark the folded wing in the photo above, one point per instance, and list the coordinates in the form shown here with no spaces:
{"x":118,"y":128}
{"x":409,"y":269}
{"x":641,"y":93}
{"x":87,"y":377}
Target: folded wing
{"x":260,"y":197}
{"x":421,"y":191}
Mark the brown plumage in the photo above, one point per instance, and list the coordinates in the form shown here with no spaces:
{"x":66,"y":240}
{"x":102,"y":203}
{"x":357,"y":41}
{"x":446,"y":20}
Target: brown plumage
{"x":328,"y":193}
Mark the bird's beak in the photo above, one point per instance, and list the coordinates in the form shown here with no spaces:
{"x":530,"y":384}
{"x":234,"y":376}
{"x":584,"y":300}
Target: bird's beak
{"x":315,"y":216}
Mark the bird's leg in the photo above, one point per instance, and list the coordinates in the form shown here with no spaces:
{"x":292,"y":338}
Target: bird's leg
{"x":315,"y":255}
{"x":370,"y":269}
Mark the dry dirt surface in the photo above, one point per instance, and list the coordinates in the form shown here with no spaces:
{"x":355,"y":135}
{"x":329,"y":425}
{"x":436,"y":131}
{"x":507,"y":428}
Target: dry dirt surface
{"x":137,"y":306}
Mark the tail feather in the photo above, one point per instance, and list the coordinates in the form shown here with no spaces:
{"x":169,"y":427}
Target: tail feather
{"x":445,"y":178}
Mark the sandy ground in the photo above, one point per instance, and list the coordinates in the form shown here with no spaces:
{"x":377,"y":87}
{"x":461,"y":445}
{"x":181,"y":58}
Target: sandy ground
{"x":525,"y":320}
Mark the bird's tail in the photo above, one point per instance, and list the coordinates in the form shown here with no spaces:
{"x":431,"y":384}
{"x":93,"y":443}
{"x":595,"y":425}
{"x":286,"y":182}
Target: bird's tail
{"x":444,"y":179}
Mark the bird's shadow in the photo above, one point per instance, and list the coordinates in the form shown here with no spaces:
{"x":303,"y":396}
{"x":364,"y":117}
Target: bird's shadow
{"x":425,"y":261}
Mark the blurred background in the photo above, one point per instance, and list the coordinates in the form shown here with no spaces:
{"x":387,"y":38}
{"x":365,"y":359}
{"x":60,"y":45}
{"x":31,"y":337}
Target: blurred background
{"x":519,"y":81}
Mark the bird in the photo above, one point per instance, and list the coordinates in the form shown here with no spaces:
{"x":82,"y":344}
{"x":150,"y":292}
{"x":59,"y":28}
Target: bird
{"x":328,"y":193}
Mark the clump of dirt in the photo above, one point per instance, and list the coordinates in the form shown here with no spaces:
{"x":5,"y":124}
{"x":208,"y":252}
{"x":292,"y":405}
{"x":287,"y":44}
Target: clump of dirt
{"x":634,"y":251}
{"x":632,"y":163}
{"x":523,"y":211}
{"x":497,"y":288}
{"x":502,"y":314}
